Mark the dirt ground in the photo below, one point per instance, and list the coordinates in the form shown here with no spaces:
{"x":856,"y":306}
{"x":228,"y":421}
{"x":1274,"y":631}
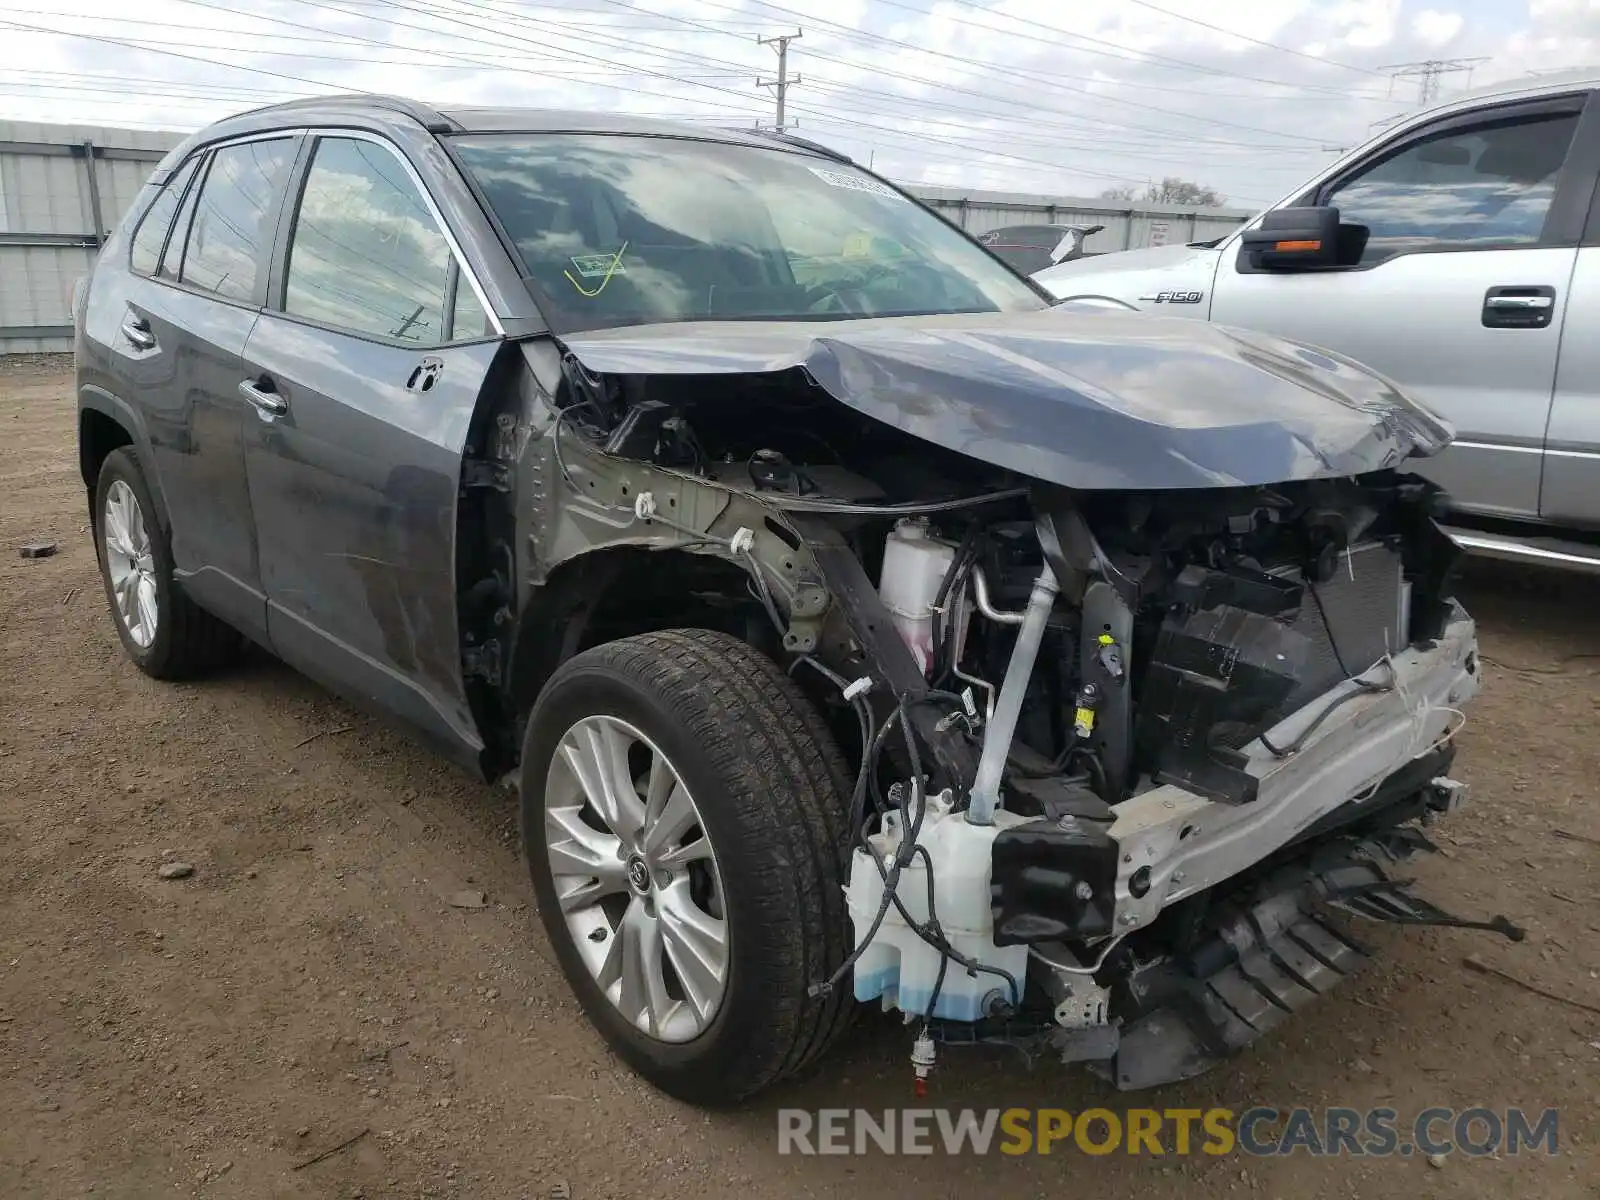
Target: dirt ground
{"x":310,"y":981}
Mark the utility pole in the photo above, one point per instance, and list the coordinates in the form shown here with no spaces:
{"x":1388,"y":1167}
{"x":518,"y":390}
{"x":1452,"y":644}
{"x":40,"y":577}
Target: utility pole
{"x":780,"y":85}
{"x":1428,"y":73}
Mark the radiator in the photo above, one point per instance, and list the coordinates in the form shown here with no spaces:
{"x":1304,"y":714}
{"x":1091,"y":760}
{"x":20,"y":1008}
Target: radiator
{"x":1367,"y":605}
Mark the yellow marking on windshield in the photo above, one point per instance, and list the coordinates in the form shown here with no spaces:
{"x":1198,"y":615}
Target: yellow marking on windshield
{"x":616,"y":261}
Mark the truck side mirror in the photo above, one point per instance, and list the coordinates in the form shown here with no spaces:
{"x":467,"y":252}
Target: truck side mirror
{"x":1303,"y":239}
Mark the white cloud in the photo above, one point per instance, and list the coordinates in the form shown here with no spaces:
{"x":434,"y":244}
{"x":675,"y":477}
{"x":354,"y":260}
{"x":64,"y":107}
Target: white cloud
{"x":1437,"y":28}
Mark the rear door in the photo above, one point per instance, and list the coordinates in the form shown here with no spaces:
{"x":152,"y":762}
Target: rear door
{"x":364,"y":372}
{"x":1461,"y":292}
{"x":191,"y":300}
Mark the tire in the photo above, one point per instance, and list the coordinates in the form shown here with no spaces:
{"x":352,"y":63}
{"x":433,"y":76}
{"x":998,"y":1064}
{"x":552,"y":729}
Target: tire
{"x":767,"y":785}
{"x":186,"y":640}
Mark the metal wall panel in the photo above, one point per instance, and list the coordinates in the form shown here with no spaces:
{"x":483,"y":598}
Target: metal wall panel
{"x":45,"y":195}
{"x":1127,"y":226}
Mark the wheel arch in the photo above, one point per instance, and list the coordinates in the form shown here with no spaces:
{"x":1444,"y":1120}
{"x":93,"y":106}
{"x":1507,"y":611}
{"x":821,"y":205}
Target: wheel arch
{"x":614,"y":592}
{"x":107,"y":423}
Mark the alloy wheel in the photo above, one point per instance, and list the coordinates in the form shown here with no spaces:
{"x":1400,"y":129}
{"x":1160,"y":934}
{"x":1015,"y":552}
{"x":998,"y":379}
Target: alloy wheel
{"x":130,"y":564}
{"x":636,"y":878}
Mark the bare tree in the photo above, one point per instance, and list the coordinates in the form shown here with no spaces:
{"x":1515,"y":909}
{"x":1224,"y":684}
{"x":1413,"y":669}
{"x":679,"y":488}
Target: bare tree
{"x":1170,"y":190}
{"x":1173,"y":190}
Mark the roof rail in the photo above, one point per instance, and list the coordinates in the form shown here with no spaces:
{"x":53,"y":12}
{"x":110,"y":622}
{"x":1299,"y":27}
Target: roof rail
{"x":429,"y":118}
{"x":802,"y":143}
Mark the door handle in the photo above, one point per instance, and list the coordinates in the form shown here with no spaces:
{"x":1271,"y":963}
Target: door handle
{"x":137,"y":330}
{"x":263,"y":396}
{"x":1519,"y":307}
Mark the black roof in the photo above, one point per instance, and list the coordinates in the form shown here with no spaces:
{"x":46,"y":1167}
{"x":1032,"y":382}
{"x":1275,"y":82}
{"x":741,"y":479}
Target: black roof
{"x":498,"y":120}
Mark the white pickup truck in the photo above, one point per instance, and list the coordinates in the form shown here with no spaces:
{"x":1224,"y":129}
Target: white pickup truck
{"x":1457,"y":253}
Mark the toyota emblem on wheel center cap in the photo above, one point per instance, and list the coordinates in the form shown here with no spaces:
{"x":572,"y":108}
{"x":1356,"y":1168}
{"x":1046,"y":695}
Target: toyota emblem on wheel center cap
{"x":639,"y":875}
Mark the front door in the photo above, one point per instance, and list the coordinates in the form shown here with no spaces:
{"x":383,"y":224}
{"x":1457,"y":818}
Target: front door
{"x":1461,"y":291}
{"x":365,"y":371}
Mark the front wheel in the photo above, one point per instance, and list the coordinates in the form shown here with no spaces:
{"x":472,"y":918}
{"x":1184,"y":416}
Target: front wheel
{"x":683,"y":824}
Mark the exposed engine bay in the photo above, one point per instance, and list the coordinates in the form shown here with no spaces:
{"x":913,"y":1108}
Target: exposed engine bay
{"x":1118,"y":753}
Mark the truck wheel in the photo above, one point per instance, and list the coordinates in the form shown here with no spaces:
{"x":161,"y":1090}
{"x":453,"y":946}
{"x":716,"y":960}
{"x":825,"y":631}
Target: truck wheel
{"x":683,"y":820}
{"x":166,"y":634}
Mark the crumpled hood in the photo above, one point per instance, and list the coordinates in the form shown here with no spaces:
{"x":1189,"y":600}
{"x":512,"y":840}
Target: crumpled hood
{"x":1085,"y":400}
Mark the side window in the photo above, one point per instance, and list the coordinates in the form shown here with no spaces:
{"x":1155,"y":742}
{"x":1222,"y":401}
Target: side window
{"x":172,"y":257}
{"x":1464,"y":189}
{"x":157,"y":220}
{"x":230,"y":226}
{"x":366,"y":254}
{"x":467,"y":318}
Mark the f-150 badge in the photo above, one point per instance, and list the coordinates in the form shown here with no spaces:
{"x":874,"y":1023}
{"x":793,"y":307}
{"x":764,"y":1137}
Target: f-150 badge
{"x":1174,"y":298}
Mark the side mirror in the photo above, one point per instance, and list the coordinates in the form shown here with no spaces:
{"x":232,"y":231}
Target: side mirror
{"x":1294,"y":239}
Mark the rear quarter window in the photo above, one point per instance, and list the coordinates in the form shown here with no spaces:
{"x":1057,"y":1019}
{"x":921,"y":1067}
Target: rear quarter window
{"x":157,"y":221}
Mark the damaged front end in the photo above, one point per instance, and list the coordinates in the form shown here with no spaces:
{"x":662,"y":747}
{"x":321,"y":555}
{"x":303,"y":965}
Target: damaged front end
{"x":1124,"y":747}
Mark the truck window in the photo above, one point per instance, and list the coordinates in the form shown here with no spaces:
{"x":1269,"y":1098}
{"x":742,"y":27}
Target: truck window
{"x":1466,"y":189}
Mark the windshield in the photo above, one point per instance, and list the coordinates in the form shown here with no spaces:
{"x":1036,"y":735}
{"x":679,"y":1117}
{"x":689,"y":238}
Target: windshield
{"x":624,"y":230}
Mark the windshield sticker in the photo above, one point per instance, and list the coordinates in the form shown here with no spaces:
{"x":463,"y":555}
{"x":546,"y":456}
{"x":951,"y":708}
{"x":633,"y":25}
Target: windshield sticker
{"x":858,"y":245}
{"x":854,"y":183}
{"x":598,"y":266}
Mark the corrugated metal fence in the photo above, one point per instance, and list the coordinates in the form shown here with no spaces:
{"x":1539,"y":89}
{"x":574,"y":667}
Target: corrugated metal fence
{"x":1127,"y":226}
{"x":63,"y":187}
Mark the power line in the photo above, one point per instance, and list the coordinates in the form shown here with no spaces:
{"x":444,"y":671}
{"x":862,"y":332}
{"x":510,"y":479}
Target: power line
{"x":319,"y":84}
{"x":1032,"y":105}
{"x":1085,"y":133}
{"x":349,"y":41}
{"x":1052,"y":80}
{"x":454,"y":14}
{"x":111,"y":41}
{"x":1245,"y":37}
{"x":1037,"y":31}
{"x":1081,"y":138}
{"x":1073,"y":137}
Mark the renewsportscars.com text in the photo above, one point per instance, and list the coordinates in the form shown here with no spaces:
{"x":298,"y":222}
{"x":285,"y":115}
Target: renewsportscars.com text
{"x":1259,"y":1131}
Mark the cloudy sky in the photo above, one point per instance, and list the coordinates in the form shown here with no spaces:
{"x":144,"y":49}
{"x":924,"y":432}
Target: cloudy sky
{"x":1022,"y":95}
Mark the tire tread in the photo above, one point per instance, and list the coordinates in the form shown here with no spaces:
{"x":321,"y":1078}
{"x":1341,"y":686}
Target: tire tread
{"x":785,"y":778}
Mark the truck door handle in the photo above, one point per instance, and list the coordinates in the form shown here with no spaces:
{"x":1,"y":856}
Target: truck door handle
{"x":1513,"y":307}
{"x":264,"y":396}
{"x":137,"y":330}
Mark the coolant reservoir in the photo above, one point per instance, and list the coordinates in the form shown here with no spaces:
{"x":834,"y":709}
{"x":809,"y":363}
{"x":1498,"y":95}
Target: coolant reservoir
{"x":914,"y":567}
{"x":900,"y":968}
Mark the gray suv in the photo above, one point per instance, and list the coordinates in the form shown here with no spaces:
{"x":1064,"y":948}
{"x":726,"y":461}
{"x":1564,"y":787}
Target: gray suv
{"x":857,"y":625}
